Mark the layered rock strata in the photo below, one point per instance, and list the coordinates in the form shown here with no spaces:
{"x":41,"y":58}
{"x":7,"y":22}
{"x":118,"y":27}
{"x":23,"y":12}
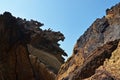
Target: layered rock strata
{"x":95,"y":48}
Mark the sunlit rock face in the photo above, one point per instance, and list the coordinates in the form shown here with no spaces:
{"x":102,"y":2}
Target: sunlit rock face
{"x":93,"y":52}
{"x":110,"y":69}
{"x":26,"y":51}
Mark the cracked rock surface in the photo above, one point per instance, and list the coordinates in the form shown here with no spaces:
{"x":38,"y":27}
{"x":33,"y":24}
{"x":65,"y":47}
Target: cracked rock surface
{"x":26,"y":51}
{"x":95,"y":54}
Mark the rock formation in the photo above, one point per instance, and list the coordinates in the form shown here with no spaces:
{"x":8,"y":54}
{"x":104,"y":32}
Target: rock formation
{"x":96,"y":52}
{"x":14,"y":56}
{"x":26,"y":51}
{"x":29,"y":53}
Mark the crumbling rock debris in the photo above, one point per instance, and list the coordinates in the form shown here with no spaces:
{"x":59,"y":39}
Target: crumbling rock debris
{"x":95,"y":54}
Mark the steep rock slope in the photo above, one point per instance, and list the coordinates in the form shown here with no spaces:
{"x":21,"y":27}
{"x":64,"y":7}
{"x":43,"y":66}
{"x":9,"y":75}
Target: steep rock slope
{"x":110,"y":69}
{"x":26,"y":51}
{"x":14,"y":57}
{"x":93,"y":48}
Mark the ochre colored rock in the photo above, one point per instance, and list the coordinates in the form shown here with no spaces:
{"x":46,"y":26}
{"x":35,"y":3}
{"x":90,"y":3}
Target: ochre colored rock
{"x":110,"y":70}
{"x":93,"y":49}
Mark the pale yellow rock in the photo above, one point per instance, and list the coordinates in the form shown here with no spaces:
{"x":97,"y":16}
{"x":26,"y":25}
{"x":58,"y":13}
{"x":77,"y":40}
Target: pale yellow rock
{"x":113,"y":64}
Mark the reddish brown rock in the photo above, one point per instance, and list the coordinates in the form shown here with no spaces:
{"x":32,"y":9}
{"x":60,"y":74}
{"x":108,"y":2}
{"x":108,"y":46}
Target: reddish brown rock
{"x":28,"y":52}
{"x":14,"y":56}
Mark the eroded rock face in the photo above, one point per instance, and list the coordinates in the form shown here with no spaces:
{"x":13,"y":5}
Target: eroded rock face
{"x":26,"y":51}
{"x":51,"y":62}
{"x":110,"y":69}
{"x":14,"y":56}
{"x":41,"y":70}
{"x":45,"y":40}
{"x":92,"y":49}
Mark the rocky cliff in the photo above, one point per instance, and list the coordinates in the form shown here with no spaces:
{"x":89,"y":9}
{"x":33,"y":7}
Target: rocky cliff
{"x":26,"y":51}
{"x":96,"y":52}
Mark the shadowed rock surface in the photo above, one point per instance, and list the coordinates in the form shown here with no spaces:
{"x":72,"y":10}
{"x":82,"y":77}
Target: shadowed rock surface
{"x":110,"y":69}
{"x":26,"y":51}
{"x":29,"y":53}
{"x":95,"y":49}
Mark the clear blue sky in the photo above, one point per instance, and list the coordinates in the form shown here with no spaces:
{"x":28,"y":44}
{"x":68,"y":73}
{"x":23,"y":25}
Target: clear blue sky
{"x":71,"y":17}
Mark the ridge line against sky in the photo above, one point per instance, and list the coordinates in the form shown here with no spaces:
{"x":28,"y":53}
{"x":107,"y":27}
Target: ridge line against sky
{"x":71,"y":17}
